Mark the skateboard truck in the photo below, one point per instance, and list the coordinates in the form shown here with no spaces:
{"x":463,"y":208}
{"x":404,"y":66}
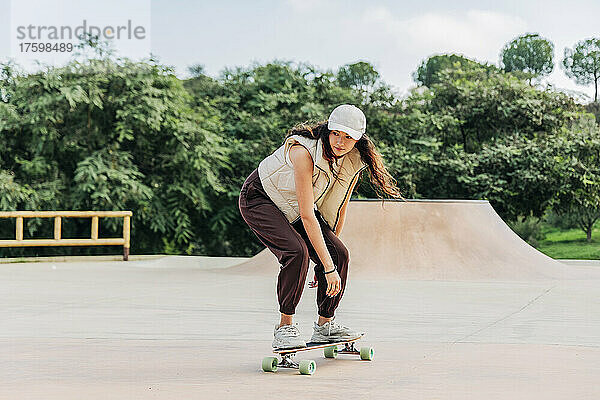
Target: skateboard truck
{"x":288,"y":359}
{"x":348,"y":349}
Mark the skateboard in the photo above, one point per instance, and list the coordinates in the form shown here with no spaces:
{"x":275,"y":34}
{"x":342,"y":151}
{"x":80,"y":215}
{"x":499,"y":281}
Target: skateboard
{"x":308,"y":367}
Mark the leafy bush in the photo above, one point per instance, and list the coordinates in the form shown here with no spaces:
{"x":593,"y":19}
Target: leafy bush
{"x":561,"y":221}
{"x":528,"y":228}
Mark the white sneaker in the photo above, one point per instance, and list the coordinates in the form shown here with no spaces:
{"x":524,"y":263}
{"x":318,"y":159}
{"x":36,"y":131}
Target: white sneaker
{"x":332,"y":332}
{"x":287,"y":337}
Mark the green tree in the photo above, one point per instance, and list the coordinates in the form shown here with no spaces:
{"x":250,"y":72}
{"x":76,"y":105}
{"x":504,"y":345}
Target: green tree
{"x":583,"y":63}
{"x":471,"y":107}
{"x":515,"y":174}
{"x":196,"y":70}
{"x":530,"y":54}
{"x":577,"y":162}
{"x":428,"y":72}
{"x":111,"y":134}
{"x":360,"y":76}
{"x":480,"y":135}
{"x":594,"y":108}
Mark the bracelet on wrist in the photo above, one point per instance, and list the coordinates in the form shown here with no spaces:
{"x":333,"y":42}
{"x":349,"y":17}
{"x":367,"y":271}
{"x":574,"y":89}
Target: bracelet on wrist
{"x":329,"y":272}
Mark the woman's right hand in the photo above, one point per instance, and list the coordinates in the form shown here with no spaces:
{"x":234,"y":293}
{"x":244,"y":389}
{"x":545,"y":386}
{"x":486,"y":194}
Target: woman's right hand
{"x":334,"y":283}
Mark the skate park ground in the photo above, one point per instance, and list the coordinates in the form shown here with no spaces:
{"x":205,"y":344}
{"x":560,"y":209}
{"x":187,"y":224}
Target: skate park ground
{"x":179,"y":327}
{"x":165,"y":327}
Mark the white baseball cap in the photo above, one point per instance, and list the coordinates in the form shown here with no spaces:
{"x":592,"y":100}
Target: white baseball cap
{"x":348,"y":119}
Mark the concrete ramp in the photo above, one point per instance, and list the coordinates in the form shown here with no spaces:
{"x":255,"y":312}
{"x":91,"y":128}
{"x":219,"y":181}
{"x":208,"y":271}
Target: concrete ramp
{"x":432,"y":240}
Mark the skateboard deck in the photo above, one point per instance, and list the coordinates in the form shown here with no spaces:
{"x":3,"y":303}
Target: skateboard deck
{"x":308,"y":367}
{"x":315,"y":345}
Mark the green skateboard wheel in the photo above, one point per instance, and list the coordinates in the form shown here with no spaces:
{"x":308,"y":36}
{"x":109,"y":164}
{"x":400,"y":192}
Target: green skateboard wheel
{"x":307,"y":367}
{"x":269,"y":364}
{"x":331,"y":352}
{"x":367,"y":353}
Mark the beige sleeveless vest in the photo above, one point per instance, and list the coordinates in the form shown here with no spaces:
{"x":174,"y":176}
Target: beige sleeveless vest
{"x":276,"y":174}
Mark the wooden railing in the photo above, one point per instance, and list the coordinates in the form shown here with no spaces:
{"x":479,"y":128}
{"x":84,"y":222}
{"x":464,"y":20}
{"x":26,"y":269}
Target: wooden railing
{"x":58,"y":241}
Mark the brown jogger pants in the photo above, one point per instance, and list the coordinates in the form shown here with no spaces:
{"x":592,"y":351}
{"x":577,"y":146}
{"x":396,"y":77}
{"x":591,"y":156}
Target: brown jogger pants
{"x":292,"y":247}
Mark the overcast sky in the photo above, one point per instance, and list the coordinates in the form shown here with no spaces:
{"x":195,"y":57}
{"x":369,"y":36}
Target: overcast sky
{"x":395,"y":36}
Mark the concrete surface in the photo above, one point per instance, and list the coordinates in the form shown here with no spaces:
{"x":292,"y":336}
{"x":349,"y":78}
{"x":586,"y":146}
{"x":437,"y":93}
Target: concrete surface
{"x":190,"y":327}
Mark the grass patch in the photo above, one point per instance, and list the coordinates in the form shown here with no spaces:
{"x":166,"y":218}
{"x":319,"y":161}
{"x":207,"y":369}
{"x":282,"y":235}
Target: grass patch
{"x":570,"y":243}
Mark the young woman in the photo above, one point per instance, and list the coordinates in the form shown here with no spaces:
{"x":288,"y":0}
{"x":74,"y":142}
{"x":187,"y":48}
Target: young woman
{"x":295,"y":202}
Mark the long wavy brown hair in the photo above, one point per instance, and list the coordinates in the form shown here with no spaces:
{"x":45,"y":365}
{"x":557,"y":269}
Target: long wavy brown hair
{"x":380,"y":178}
